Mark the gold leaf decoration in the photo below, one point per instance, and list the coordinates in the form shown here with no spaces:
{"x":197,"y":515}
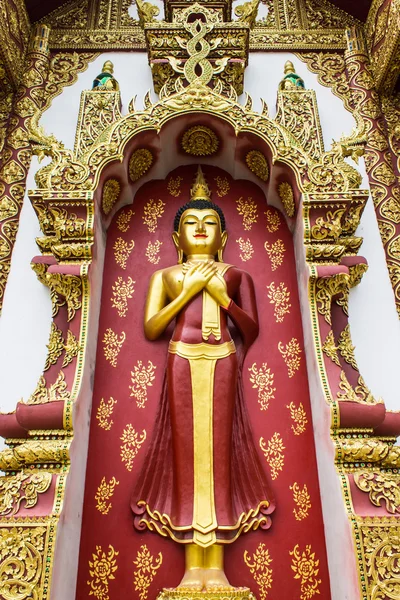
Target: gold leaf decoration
{"x":122,"y":291}
{"x":358,"y":394}
{"x":111,"y":191}
{"x":122,"y":251}
{"x":71,"y":347}
{"x":279,"y":296}
{"x":142,"y":378}
{"x":329,"y":348}
{"x":287,"y":198}
{"x":139,"y":163}
{"x":55,"y":346}
{"x":146,"y":566}
{"x":22,"y":486}
{"x":382,"y":488}
{"x":291,"y":355}
{"x":259,"y":565}
{"x":299,"y":416}
{"x":104,"y":412}
{"x":131,"y":445}
{"x":275,"y":253}
{"x":200,"y":141}
{"x":112,"y":345}
{"x":263,"y":380}
{"x":153,"y":210}
{"x":152,"y":252}
{"x":346,"y":347}
{"x":301,"y":498}
{"x":305,"y":567}
{"x":380,"y":543}
{"x":246,"y":249}
{"x":104,"y":492}
{"x":124,"y":219}
{"x":101,"y":570}
{"x":174,"y":186}
{"x":248,"y":209}
{"x":273,"y":451}
{"x":273,"y":220}
{"x":258,"y":164}
{"x":57,"y":391}
{"x":223,"y":186}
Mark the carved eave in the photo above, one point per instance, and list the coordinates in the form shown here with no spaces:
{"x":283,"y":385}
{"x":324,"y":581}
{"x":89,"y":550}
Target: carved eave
{"x":222,"y":7}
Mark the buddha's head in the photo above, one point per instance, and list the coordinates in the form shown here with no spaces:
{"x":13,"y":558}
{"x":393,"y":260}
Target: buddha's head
{"x":199,"y":226}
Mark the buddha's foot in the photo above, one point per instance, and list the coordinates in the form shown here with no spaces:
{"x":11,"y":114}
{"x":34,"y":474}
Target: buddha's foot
{"x":216,"y":580}
{"x":193,"y":580}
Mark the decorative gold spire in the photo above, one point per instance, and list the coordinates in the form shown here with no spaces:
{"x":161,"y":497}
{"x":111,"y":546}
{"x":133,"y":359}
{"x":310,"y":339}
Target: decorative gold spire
{"x":200,"y":189}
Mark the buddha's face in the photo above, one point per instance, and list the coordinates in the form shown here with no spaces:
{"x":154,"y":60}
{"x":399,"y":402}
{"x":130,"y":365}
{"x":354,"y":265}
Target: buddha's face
{"x":200,"y":232}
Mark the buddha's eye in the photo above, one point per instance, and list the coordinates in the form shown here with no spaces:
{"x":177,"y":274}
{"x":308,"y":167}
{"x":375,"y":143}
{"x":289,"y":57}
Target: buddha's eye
{"x":190,"y":223}
{"x":211,"y":223}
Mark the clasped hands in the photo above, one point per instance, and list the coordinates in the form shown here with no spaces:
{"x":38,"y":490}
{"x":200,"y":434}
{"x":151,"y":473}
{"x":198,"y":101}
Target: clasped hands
{"x":204,"y":275}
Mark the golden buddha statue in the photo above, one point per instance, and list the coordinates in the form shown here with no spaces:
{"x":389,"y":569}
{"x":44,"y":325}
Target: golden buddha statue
{"x":202,"y":483}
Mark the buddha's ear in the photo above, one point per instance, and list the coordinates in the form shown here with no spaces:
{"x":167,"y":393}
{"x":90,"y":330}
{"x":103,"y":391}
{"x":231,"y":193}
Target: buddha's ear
{"x":224,"y":239}
{"x":175,"y":239}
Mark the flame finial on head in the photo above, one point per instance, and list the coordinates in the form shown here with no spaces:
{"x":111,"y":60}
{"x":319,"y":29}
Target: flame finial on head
{"x":200,"y":189}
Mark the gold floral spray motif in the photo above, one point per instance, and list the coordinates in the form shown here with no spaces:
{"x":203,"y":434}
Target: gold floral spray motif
{"x":286,"y":195}
{"x":124,"y":219}
{"x":111,"y":191}
{"x":279,"y":297}
{"x":291,"y":355}
{"x":246,"y":249}
{"x":273,"y":451}
{"x":174,"y":186}
{"x":131,"y":445}
{"x":152,"y":252}
{"x":101,"y":569}
{"x":122,"y":251}
{"x":112,"y":345}
{"x":223,"y":186}
{"x":275,"y":253}
{"x":104,"y":492}
{"x":104,"y":412}
{"x":152,"y":211}
{"x":146,"y":568}
{"x":122,"y":291}
{"x":139,"y":163}
{"x":273,"y":220}
{"x":298,"y":415}
{"x":302,"y":500}
{"x":259,"y":565}
{"x":263,"y":381}
{"x":142,"y":378}
{"x":305,"y":567}
{"x":248,"y":210}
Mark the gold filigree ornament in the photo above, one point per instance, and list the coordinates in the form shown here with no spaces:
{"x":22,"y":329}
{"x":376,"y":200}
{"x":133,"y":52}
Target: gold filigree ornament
{"x":153,"y":210}
{"x":301,"y":498}
{"x":263,"y":381}
{"x":306,"y":568}
{"x":248,"y":210}
{"x":174,"y":186}
{"x":104,"y":492}
{"x":142,"y":378}
{"x":259,"y":565}
{"x":291,"y":355}
{"x":112,"y":345}
{"x":246,"y":249}
{"x":279,"y":296}
{"x":71,"y":347}
{"x":258,"y":164}
{"x":131,"y":444}
{"x":104,"y":412}
{"x":152,"y":252}
{"x":122,"y":251}
{"x":275,"y":253}
{"x":287,"y":198}
{"x":273,"y":221}
{"x":124,"y":219}
{"x":380,"y":546}
{"x":101,"y":570}
{"x":346,"y":348}
{"x":299,"y":416}
{"x":22,"y":487}
{"x":55,"y":346}
{"x":329,"y":348}
{"x":122,"y":292}
{"x":146,"y":567}
{"x":200,"y":141}
{"x":111,"y":190}
{"x":223,"y":186}
{"x":57,"y":391}
{"x":139,"y":163}
{"x":273,"y":451}
{"x":382,"y":488}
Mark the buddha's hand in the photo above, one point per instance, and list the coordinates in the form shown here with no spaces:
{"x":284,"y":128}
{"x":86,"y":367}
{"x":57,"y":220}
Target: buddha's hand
{"x":197,"y":277}
{"x":216,"y":287}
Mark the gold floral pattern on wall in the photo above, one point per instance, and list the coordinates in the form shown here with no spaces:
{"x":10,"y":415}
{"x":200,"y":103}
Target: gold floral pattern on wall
{"x":301,"y":498}
{"x":131,"y":444}
{"x":104,"y":492}
{"x":112,"y":344}
{"x":286,"y":195}
{"x":273,"y":221}
{"x":298,"y":415}
{"x":291,"y":355}
{"x":279,"y":296}
{"x":275,"y":253}
{"x":273,"y":451}
{"x":122,"y":251}
{"x":153,"y":251}
{"x":223,"y":186}
{"x":305,"y":567}
{"x":263,"y":381}
{"x":153,"y":210}
{"x":146,"y":568}
{"x":142,"y":378}
{"x":259,"y":565}
{"x":124,"y":219}
{"x":104,"y":412}
{"x":174,"y":186}
{"x":110,"y":196}
{"x":101,"y":570}
{"x":122,"y":291}
{"x":248,"y":210}
{"x":246,"y":249}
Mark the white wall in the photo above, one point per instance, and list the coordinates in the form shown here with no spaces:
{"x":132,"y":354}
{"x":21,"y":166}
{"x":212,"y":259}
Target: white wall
{"x":26,"y":316}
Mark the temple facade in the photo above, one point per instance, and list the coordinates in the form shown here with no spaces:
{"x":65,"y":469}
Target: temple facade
{"x":200,"y":300}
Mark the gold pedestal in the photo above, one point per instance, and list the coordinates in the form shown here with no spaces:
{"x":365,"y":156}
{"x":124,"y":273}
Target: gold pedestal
{"x":242,"y":593}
